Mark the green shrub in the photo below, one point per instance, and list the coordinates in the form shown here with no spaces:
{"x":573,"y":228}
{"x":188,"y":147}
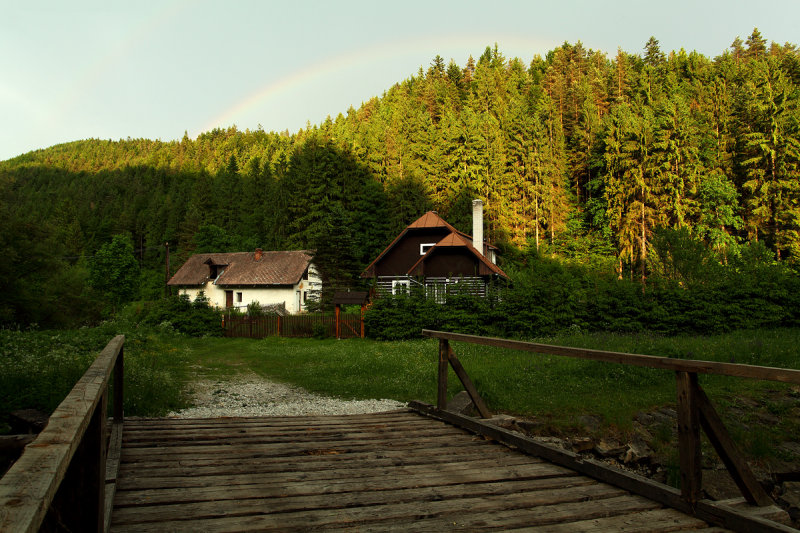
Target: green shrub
{"x":179,"y":314}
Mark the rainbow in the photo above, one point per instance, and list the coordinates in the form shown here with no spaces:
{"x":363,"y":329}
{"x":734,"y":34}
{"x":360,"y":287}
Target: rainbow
{"x":362,"y":57}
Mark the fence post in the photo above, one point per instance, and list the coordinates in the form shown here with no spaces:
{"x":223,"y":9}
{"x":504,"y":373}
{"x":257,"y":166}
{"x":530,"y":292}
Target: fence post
{"x":444,"y":353}
{"x":79,"y":503}
{"x":279,"y":325}
{"x":689,"y":436}
{"x":119,"y":379}
{"x":363,"y":308}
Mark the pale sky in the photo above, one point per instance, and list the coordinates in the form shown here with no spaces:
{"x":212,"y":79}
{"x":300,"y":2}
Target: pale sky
{"x":153,"y":69}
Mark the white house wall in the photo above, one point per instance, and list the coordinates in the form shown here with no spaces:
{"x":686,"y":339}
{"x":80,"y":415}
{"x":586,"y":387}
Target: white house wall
{"x":287,"y":295}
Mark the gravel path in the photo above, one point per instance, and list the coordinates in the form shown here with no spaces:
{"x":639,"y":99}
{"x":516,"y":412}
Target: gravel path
{"x":252,"y":395}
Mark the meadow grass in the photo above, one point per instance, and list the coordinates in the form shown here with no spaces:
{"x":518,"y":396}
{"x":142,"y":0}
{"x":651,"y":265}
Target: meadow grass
{"x":554,"y":390}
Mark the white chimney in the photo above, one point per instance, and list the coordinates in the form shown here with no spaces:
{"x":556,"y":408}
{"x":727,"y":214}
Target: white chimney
{"x":477,"y":225}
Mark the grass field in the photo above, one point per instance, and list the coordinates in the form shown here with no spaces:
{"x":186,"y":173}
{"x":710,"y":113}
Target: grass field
{"x":554,"y":390}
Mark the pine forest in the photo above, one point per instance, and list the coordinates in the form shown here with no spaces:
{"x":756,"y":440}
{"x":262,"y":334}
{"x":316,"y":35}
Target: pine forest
{"x":611,"y":163}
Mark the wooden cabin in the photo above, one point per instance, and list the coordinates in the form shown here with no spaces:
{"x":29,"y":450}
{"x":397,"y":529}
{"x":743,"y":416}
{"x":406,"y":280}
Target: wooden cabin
{"x":431,"y":253}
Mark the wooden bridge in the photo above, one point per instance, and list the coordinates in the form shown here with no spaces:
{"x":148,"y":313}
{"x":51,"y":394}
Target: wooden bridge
{"x":419,"y":469}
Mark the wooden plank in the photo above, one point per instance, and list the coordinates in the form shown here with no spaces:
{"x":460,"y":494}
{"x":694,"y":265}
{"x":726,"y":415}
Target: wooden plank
{"x":657,"y":520}
{"x":274,"y":421}
{"x":484,"y":513}
{"x":727,"y":450}
{"x":689,"y":437}
{"x":325,"y":461}
{"x":425,"y":487}
{"x":472,"y":471}
{"x":705,"y":510}
{"x":649,"y":361}
{"x":505,"y":495}
{"x":30,"y":485}
{"x":112,"y":469}
{"x":278,"y":435}
{"x":468,"y":386}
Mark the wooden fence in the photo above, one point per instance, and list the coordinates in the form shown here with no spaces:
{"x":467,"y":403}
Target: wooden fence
{"x":302,"y":325}
{"x":695,"y":411}
{"x":65,"y":478}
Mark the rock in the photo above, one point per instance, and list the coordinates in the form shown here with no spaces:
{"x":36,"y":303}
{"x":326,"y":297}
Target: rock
{"x":528,"y":426}
{"x":503,"y":421}
{"x":718,"y":485}
{"x":637,"y":453}
{"x":606,"y":448}
{"x":461,"y":403}
{"x":791,"y":498}
{"x":582,"y":444}
{"x":554,"y":441}
{"x":27,"y":421}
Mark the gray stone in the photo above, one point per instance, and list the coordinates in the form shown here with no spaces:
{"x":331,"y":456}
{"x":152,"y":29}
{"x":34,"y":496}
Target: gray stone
{"x":461,"y":403}
{"x":791,"y":495}
{"x":637,"y":453}
{"x":503,"y":421}
{"x":612,"y":448}
{"x":582,"y":444}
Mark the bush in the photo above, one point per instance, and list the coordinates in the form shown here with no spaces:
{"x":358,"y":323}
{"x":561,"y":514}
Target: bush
{"x":178,"y":313}
{"x":548,"y":297}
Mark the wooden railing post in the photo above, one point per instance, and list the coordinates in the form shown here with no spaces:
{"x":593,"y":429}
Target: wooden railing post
{"x":689,"y":437}
{"x":119,"y":386}
{"x":441,"y":396}
{"x":79,"y":503}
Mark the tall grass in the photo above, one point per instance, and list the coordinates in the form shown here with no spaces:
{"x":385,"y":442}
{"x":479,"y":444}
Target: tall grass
{"x":39,"y":368}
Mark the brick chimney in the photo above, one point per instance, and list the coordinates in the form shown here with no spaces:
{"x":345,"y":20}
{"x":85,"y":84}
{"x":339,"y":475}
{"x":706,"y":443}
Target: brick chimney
{"x":259,"y":254}
{"x":477,"y":225}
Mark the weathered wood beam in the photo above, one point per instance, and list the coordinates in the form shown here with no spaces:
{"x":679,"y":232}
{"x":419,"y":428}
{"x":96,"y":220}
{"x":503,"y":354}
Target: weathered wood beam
{"x":648,"y":361}
{"x":689,"y":438}
{"x":727,"y":450}
{"x":467,"y":383}
{"x":29,"y":487}
{"x":441,"y":392}
{"x":712,"y":512}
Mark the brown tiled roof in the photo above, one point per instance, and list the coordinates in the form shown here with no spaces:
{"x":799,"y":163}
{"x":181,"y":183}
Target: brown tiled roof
{"x":455,"y":240}
{"x":274,"y":268}
{"x":431,"y":219}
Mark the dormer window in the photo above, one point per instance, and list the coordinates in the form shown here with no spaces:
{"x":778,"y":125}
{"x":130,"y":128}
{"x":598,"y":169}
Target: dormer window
{"x":424,"y":247}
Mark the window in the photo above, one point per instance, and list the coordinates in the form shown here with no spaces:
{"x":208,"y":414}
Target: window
{"x":239,"y":297}
{"x":424,"y":247}
{"x":400,"y":286}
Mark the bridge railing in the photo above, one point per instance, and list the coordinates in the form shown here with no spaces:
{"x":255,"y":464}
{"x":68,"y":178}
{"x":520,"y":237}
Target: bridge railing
{"x":59,"y":481}
{"x":694,"y":409}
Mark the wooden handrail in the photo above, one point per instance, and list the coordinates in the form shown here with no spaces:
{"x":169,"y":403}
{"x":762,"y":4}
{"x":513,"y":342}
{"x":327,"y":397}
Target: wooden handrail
{"x":695,"y":410}
{"x":59,"y":480}
{"x":650,"y":361}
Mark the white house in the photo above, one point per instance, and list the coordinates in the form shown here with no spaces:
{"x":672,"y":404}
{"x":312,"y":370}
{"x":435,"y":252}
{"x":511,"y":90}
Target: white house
{"x":238,"y":279}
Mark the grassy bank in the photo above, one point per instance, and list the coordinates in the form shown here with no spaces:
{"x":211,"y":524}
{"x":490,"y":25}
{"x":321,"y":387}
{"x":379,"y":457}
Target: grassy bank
{"x":554,"y":390}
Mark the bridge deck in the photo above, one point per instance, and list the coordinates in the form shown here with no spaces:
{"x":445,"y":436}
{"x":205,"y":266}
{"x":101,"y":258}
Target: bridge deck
{"x":393,"y":471}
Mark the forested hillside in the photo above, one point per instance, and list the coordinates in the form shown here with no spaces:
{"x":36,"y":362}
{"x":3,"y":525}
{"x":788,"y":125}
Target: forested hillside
{"x":580,"y":155}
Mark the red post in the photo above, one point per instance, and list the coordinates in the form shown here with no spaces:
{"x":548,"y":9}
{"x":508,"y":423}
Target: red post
{"x":338,"y":310}
{"x":363,"y":308}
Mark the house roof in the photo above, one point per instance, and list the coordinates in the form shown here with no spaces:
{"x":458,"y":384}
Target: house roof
{"x":431,"y":219}
{"x":241,"y":268}
{"x":455,"y":240}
